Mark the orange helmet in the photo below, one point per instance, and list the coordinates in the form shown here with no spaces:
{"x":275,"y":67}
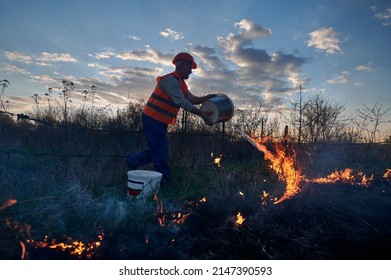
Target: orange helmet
{"x":185,"y":56}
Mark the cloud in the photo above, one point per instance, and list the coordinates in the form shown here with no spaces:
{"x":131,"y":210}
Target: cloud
{"x":18,"y":57}
{"x":41,"y":59}
{"x":258,"y":72}
{"x":248,"y":31}
{"x":105,"y":54}
{"x":233,"y":66}
{"x":359,"y":84}
{"x":384,"y":15}
{"x":49,"y":81}
{"x":56,"y":57}
{"x":366,"y":68}
{"x":147,"y":55}
{"x":341,"y":78}
{"x":208,"y":56}
{"x":12,"y":69}
{"x":133,"y":37}
{"x":171,"y":34}
{"x":325,"y":39}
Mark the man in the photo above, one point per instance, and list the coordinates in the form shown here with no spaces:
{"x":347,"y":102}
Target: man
{"x":170,"y":94}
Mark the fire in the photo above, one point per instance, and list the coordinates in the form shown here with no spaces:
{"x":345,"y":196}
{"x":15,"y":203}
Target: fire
{"x":70,"y":246}
{"x":345,"y":176}
{"x":174,"y":218}
{"x":159,"y":212}
{"x":239,"y":219}
{"x":283,"y":161}
{"x":23,"y":249}
{"x":77,"y":248}
{"x":179,"y":218}
{"x":217,"y":161}
{"x":7,"y":204}
{"x":387,"y":175}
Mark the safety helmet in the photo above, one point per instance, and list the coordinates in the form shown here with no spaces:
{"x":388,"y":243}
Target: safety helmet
{"x":185,"y":56}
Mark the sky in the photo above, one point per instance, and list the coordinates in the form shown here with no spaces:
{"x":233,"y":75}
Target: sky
{"x":250,"y":50}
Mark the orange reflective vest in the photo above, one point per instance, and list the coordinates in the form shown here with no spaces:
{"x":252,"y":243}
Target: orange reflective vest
{"x":160,"y":105}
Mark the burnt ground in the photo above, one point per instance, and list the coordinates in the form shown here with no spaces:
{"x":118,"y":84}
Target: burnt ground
{"x":322,"y":222}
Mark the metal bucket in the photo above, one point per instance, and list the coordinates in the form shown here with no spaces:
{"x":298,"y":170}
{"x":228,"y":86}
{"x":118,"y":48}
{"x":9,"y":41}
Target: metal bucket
{"x":143,"y":183}
{"x":221,"y":106}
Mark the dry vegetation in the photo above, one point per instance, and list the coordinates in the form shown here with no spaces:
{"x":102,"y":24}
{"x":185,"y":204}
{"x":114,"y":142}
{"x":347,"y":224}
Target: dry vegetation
{"x":63,"y":181}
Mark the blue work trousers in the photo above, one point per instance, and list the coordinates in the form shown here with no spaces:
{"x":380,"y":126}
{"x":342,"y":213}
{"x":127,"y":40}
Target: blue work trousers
{"x":155,"y":134}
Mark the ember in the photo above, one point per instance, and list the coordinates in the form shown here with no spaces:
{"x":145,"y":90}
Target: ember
{"x":264,"y":197}
{"x":173,"y":218}
{"x":70,"y":246}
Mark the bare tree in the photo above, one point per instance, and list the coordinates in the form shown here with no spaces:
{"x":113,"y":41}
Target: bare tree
{"x":316,"y":120}
{"x":371,"y":119}
{"x":252,"y":118}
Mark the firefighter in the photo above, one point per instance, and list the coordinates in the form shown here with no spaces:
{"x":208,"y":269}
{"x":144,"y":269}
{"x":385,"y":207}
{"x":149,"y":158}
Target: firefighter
{"x":170,"y":94}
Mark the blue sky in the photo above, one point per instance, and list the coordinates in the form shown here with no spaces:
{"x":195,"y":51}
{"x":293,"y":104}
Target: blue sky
{"x":249,"y":49}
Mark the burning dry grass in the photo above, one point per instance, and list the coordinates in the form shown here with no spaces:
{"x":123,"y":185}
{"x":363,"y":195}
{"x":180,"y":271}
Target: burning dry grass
{"x":323,"y":221}
{"x":226,"y":209}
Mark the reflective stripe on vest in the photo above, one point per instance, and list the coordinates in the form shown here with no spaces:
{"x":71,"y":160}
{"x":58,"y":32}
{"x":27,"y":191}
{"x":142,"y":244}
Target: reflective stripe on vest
{"x":160,"y":106}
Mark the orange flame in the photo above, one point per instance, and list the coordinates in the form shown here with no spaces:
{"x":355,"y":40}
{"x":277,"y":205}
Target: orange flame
{"x":283,"y":162}
{"x":7,"y":204}
{"x":239,"y":219}
{"x":23,"y":250}
{"x":217,"y":161}
{"x":173,"y":218}
{"x":387,"y":175}
{"x":179,"y":218}
{"x":346,"y":176}
{"x":72,"y":247}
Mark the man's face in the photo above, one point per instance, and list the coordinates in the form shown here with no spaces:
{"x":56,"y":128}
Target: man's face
{"x":184,"y":70}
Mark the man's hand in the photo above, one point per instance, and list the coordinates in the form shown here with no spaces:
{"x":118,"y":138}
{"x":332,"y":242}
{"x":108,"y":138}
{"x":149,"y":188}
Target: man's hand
{"x":209,"y":96}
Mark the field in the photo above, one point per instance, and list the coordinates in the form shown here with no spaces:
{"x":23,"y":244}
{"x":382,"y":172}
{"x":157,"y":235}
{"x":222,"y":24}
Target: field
{"x":64,"y":196}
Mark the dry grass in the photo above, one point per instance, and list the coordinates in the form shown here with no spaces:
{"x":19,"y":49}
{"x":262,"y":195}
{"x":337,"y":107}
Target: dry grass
{"x":77,"y":193}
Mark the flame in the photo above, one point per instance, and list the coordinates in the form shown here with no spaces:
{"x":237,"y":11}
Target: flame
{"x":239,"y":219}
{"x":7,"y":204}
{"x":23,"y":250}
{"x":159,"y":212}
{"x":179,"y":218}
{"x":387,"y":175}
{"x":173,"y":218}
{"x":283,"y":162}
{"x":72,"y":247}
{"x":217,"y":160}
{"x":345,"y":176}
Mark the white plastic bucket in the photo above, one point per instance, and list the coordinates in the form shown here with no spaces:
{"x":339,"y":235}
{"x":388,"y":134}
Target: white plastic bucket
{"x":143,"y":183}
{"x":221,"y":106}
